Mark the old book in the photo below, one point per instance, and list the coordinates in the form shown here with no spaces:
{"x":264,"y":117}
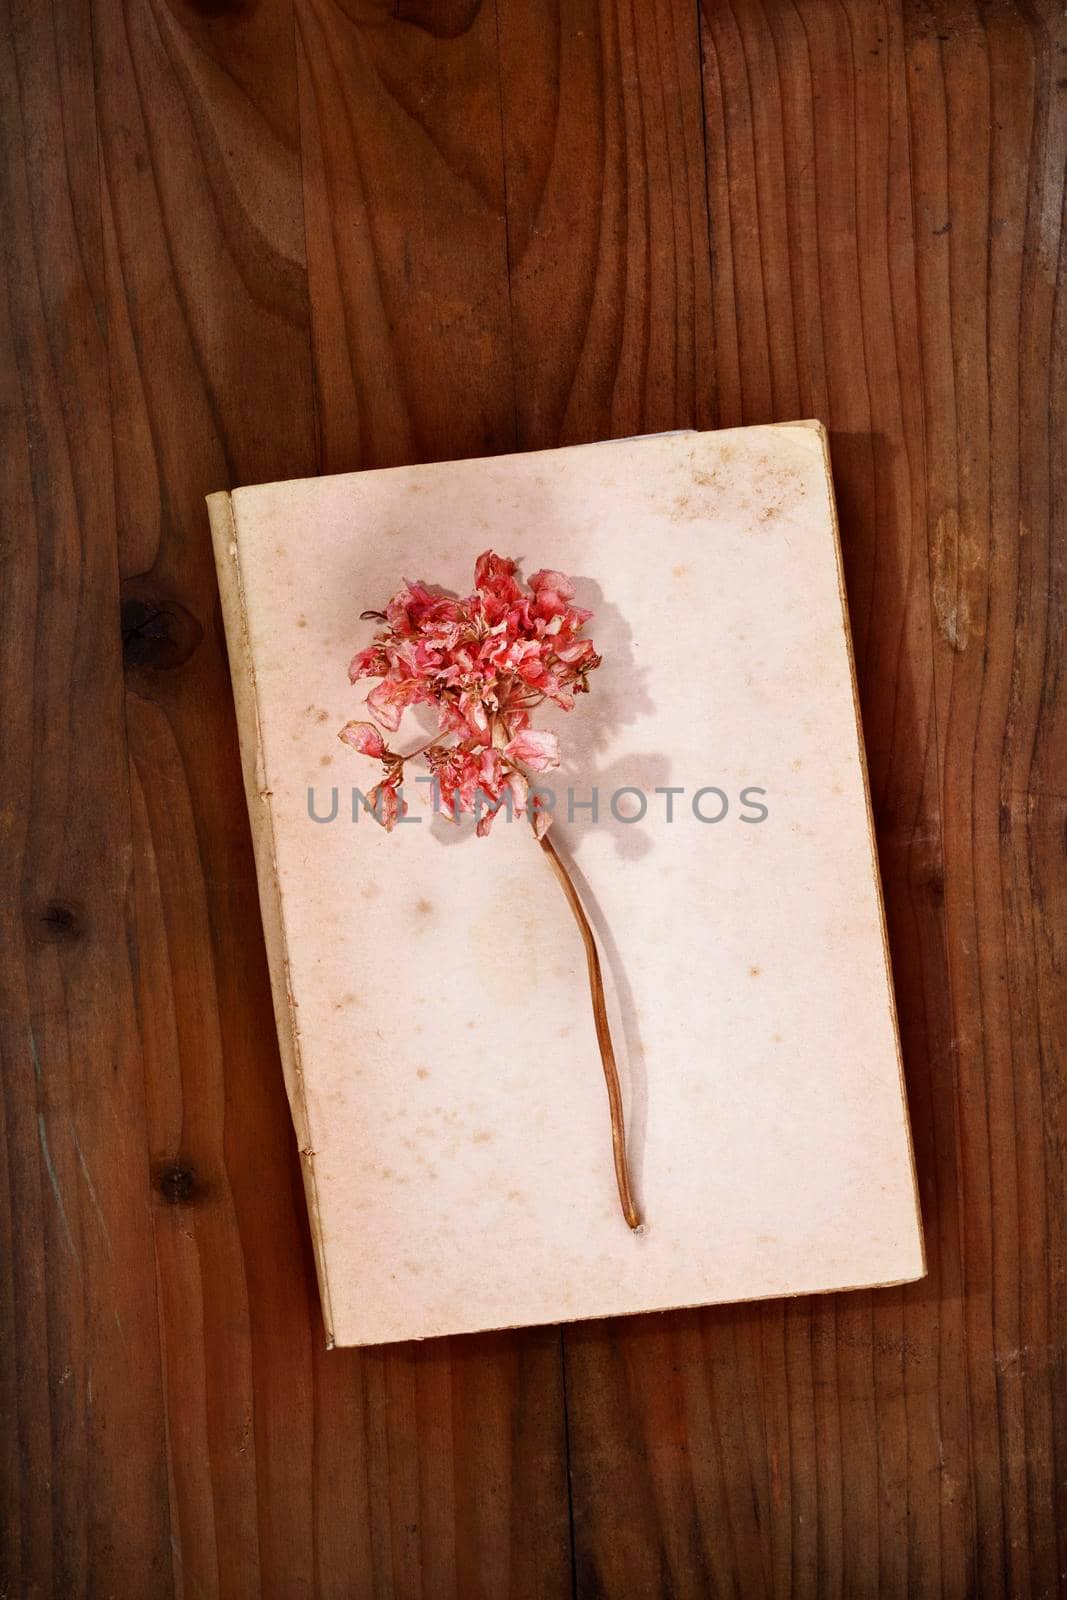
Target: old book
{"x":430,"y":986}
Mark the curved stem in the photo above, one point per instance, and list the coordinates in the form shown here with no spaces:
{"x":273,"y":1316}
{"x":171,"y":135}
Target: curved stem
{"x":603,"y":1033}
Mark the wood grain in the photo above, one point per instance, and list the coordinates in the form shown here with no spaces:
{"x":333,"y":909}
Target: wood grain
{"x":249,"y":242}
{"x":407,"y":249}
{"x":206,"y":313}
{"x":607,"y":219}
{"x":885,"y":195}
{"x":81,"y":1367}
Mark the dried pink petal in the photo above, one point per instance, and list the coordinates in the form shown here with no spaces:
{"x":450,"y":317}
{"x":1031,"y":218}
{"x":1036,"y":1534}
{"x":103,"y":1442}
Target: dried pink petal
{"x":494,"y":575}
{"x":542,"y":817}
{"x":386,"y":805}
{"x":535,"y":749}
{"x":552,"y":591}
{"x":391,"y":697}
{"x":369,"y":663}
{"x":580,"y":654}
{"x":383,"y":706}
{"x":364,"y":737}
{"x":519,"y":789}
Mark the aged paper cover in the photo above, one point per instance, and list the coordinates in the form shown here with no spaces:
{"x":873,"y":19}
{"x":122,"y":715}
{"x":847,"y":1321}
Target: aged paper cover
{"x":430,"y":987}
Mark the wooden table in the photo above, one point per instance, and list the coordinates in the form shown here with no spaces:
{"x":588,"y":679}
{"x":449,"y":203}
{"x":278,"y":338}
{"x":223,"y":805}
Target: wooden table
{"x":255,"y":239}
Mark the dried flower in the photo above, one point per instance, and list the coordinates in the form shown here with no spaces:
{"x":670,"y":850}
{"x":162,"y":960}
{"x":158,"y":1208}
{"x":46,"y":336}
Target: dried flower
{"x":484,"y":664}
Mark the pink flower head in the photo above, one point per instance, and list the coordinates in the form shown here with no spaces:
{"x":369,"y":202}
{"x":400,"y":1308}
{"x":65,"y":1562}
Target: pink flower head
{"x":483,"y":664}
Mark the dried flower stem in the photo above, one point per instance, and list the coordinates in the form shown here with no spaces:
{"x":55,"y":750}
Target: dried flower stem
{"x":603,"y":1033}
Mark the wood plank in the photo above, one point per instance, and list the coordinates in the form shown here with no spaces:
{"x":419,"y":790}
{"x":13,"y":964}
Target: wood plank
{"x":253,"y":242}
{"x":210,"y":384}
{"x":407,"y":254}
{"x":903,"y":1441}
{"x":457,"y":1448}
{"x":84,"y":1501}
{"x":989,"y":196}
{"x":607,"y":220}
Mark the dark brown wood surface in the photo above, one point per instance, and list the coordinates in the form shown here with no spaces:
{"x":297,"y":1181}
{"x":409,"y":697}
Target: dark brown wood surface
{"x":254,"y":239}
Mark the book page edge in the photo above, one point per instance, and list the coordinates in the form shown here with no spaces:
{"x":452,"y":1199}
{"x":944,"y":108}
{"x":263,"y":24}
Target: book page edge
{"x":222,"y":517}
{"x":824,"y":438}
{"x":346,"y":1341}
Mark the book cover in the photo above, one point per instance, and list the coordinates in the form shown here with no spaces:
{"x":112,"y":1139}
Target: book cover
{"x":430,"y":986}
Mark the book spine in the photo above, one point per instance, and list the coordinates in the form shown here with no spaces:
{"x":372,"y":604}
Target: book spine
{"x":258,"y":797}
